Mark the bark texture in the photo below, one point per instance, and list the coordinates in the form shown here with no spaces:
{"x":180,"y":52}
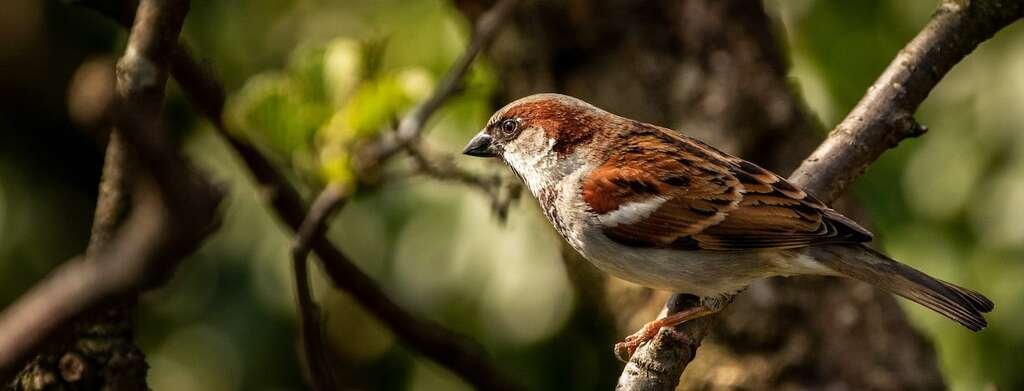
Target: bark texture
{"x":715,"y":69}
{"x":173,"y":209}
{"x":97,"y":351}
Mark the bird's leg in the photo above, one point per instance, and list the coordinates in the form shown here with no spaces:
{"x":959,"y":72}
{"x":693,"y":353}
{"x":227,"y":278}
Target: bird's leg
{"x":624,"y":350}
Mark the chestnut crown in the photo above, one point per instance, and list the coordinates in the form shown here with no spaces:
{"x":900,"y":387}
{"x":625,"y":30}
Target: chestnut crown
{"x":564,"y":121}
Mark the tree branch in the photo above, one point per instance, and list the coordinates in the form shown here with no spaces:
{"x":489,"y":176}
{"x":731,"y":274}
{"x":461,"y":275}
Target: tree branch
{"x":112,"y":201}
{"x":885,"y":115}
{"x":882,"y":119}
{"x":457,"y":353}
{"x":173,"y":206}
{"x":412,"y":124}
{"x":321,"y":377}
{"x":73,"y":361}
{"x":500,"y":192}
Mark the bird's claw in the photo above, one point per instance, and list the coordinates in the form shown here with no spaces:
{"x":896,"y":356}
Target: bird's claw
{"x":624,"y":350}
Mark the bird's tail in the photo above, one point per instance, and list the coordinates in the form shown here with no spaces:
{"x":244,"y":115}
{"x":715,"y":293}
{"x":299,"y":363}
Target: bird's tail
{"x":863,"y":263}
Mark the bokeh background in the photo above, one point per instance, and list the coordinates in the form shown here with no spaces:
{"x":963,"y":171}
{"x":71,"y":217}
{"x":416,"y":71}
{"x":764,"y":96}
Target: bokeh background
{"x":304,"y":76}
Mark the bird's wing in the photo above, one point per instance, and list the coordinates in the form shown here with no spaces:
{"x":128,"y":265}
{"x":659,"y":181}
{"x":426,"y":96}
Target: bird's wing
{"x":660,"y":189}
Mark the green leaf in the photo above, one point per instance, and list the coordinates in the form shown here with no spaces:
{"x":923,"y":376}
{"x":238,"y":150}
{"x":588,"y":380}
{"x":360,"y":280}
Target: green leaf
{"x":375,"y":104}
{"x":270,"y":110}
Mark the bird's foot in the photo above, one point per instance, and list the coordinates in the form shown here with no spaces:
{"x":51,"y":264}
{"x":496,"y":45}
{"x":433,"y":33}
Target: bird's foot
{"x":624,"y":350}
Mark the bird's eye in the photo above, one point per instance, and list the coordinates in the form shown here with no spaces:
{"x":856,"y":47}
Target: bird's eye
{"x":509,"y":127}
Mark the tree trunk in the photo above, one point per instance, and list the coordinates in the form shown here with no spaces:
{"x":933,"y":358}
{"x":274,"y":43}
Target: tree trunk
{"x":715,"y":70}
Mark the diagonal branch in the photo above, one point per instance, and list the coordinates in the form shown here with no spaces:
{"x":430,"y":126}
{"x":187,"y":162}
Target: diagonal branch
{"x":457,"y":353}
{"x":411,"y":126}
{"x":173,"y":207}
{"x":64,"y":361}
{"x":406,"y":136}
{"x":882,"y":119}
{"x":885,"y":115}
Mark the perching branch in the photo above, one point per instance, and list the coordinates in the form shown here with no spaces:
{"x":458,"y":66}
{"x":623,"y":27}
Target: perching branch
{"x":173,"y":206}
{"x":313,"y":345}
{"x":882,"y":119}
{"x":455,"y":352}
{"x":885,"y":115}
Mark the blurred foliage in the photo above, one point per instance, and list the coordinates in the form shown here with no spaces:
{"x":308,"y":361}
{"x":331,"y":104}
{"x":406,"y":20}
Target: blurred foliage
{"x":327,"y":99}
{"x":310,"y":79}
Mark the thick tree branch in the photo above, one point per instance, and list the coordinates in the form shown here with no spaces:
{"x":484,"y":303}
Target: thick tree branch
{"x":882,"y":118}
{"x":173,"y":207}
{"x":455,"y":352}
{"x":71,"y":362}
{"x":885,"y":115}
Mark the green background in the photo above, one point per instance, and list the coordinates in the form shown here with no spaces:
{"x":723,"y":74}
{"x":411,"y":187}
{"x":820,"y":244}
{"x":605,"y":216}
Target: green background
{"x":949,"y":203}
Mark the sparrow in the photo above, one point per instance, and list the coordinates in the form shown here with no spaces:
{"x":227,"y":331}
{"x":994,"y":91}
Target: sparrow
{"x":667,"y":211}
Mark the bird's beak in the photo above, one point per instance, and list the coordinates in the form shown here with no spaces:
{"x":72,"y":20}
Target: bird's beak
{"x":481,"y":145}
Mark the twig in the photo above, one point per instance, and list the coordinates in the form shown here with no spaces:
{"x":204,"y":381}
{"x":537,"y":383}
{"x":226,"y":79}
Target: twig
{"x":455,"y":352}
{"x":406,"y":136}
{"x":882,"y":118}
{"x":313,"y":344}
{"x":500,"y":192}
{"x":173,"y":207}
{"x":412,"y":124}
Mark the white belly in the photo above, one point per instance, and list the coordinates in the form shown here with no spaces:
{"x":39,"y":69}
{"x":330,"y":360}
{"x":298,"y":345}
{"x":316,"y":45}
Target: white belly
{"x":694,"y":272}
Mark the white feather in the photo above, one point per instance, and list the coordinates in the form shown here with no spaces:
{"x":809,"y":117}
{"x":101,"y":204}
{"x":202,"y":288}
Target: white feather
{"x":631,"y":212}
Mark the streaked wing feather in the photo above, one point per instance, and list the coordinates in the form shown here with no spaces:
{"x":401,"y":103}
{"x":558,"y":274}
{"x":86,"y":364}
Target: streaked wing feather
{"x":708,"y":200}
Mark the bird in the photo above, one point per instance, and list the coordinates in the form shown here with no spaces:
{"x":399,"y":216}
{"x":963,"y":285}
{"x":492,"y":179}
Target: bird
{"x":664,"y":210}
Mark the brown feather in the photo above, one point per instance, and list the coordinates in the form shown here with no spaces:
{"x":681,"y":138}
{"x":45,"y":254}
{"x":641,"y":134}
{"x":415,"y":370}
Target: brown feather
{"x":715,"y":201}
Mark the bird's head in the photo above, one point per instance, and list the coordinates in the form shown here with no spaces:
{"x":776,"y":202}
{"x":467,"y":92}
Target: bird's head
{"x":544,"y":137}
